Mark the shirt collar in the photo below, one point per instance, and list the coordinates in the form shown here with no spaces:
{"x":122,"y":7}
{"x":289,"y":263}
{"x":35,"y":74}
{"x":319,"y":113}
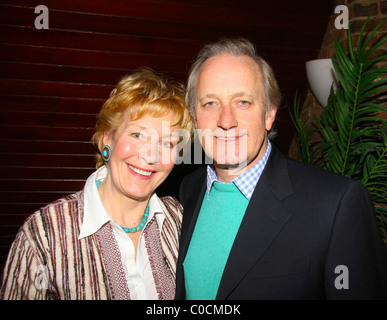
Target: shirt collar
{"x":246,"y":182}
{"x":95,"y":215}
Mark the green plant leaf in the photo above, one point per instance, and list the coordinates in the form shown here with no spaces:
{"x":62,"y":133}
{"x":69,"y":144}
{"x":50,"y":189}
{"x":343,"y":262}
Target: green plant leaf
{"x":353,"y":136}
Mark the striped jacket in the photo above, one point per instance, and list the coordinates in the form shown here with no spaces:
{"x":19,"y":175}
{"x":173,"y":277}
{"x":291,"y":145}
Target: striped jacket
{"x":47,"y":261}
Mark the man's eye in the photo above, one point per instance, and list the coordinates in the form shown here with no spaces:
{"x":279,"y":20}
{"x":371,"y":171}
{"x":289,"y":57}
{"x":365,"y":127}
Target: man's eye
{"x":244,"y":102}
{"x":209,"y":104}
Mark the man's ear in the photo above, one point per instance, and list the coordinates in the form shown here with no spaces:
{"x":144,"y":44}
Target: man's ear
{"x":270,"y":117}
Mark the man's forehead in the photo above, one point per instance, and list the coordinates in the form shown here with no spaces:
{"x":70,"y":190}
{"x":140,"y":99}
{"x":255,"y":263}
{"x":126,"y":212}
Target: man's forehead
{"x":232,"y":95}
{"x":223,"y":68}
{"x":228,"y":60}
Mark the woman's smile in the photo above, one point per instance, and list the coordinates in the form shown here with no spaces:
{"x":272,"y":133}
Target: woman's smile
{"x":140,"y":173}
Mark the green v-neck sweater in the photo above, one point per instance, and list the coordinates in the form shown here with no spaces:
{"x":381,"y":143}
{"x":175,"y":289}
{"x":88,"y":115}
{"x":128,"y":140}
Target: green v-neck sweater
{"x":218,"y":222}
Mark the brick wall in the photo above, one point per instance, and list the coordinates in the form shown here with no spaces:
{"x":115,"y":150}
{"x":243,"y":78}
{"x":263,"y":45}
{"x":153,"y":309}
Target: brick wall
{"x":359,"y":11}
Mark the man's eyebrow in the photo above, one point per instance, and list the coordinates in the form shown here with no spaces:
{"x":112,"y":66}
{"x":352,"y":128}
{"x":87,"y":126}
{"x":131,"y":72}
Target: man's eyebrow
{"x":242,"y":94}
{"x":208,"y":95}
{"x":234,"y":95}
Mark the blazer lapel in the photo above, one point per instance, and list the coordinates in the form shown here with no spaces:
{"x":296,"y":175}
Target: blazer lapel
{"x":190,"y":216}
{"x":264,"y":218}
{"x":191,"y":207}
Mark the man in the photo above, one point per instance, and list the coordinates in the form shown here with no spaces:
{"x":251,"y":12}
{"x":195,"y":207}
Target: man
{"x":257,"y":225}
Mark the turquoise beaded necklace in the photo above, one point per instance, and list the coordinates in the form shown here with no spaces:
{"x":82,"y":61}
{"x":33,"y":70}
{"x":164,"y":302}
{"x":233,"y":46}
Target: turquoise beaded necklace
{"x":142,"y":223}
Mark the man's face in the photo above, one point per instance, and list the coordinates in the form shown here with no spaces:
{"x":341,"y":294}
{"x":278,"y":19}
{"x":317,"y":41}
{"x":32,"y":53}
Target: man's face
{"x":230,"y":111}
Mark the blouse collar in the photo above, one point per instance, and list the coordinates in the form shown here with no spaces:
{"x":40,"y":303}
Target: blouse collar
{"x":95,"y":215}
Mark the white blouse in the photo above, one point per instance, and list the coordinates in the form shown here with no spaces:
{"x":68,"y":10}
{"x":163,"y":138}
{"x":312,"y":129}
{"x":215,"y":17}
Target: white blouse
{"x":138,"y":272}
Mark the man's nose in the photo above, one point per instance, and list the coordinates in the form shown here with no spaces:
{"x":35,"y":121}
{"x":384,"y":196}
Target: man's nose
{"x":227,"y":119}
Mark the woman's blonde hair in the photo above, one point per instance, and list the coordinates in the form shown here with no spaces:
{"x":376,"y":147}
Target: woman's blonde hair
{"x":141,"y":93}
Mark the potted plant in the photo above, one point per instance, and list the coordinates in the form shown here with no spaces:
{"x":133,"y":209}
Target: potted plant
{"x":350,"y":136}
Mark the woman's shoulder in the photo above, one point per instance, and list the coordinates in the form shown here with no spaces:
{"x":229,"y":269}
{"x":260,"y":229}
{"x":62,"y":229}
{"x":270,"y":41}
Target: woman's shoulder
{"x":173,"y":207}
{"x":60,"y":210}
{"x":172,"y":201}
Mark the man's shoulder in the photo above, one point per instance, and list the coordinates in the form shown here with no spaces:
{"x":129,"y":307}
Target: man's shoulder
{"x":279,"y":163}
{"x":197,"y":175}
{"x":192,"y":182}
{"x":305,"y":176}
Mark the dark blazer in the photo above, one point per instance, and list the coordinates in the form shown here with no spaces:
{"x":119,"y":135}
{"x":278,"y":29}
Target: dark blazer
{"x":301,"y":225}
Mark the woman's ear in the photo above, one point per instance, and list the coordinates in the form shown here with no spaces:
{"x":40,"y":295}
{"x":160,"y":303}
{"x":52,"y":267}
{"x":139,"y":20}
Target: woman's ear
{"x":106,"y":138}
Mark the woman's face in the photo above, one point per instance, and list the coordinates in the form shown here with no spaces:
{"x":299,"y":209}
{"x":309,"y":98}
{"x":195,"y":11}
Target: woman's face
{"x":142,"y":155}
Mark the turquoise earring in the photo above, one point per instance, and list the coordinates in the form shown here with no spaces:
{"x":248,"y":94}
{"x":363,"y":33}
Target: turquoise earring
{"x":106,"y":153}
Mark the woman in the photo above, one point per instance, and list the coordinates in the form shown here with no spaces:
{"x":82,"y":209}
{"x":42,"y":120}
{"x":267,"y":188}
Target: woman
{"x":115,"y":239}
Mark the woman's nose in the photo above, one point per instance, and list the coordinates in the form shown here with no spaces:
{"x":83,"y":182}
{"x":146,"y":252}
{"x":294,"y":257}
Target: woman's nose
{"x":150,"y":153}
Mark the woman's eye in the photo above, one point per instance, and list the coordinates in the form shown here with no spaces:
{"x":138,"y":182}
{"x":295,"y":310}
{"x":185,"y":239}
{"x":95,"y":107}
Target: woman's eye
{"x":137,"y":135}
{"x":166,"y":144}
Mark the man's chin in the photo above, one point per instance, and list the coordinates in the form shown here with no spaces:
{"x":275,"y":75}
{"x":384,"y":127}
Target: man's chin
{"x":230,"y":165}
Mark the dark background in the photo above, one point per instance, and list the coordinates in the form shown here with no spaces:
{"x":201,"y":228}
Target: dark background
{"x":53,"y":82}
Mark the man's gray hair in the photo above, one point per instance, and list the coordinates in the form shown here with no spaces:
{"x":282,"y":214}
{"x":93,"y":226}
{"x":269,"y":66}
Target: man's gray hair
{"x":235,"y":47}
